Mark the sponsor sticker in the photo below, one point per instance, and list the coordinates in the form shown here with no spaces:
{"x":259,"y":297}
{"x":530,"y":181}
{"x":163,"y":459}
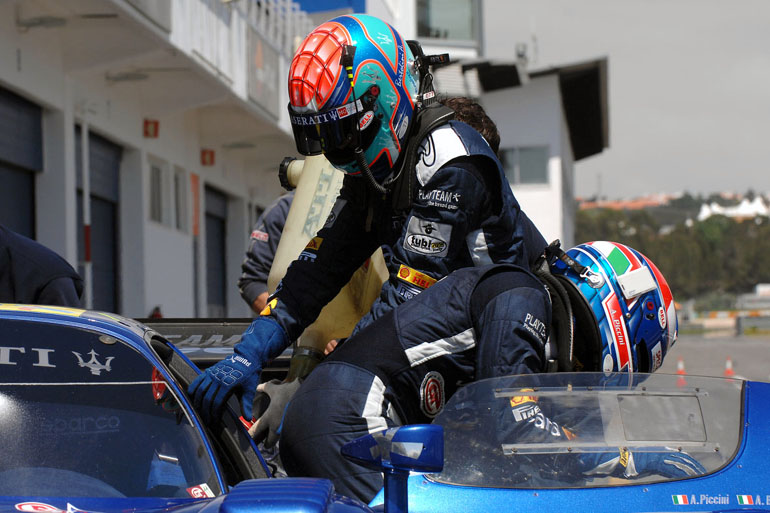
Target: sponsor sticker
{"x":432,"y":394}
{"x":202,"y":491}
{"x":260,"y":235}
{"x":427,"y":237}
{"x":703,"y":499}
{"x":37,"y":507}
{"x":314,"y":243}
{"x":407,"y":291}
{"x":307,"y":256}
{"x":662,"y":317}
{"x":415,"y":277}
{"x":624,"y":456}
{"x":522,"y":399}
{"x":365,"y":120}
{"x":525,"y":411}
{"x":619,"y":332}
{"x":657,"y":357}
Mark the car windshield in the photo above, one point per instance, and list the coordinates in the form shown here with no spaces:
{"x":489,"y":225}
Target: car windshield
{"x":84,"y":414}
{"x":557,"y":430}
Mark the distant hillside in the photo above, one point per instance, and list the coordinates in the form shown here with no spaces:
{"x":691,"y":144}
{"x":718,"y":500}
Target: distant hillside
{"x":718,"y":255}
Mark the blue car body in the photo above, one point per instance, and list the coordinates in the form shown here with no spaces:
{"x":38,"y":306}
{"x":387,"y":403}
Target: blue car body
{"x":723,"y":423}
{"x":94,"y":417}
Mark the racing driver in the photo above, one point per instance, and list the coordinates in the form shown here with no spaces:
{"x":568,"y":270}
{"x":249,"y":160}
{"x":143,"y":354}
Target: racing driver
{"x":402,"y":368}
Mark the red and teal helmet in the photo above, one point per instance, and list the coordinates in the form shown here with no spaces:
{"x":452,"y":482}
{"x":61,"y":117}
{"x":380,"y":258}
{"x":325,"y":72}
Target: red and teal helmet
{"x":353,"y":84}
{"x":625,"y":319}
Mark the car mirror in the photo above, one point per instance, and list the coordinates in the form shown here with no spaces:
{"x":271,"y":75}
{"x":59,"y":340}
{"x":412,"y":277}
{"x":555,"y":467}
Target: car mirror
{"x":396,"y":452}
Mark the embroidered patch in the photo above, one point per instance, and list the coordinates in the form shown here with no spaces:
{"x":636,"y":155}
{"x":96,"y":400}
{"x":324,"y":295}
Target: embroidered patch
{"x":415,"y":277}
{"x":260,"y":236}
{"x":427,"y":237}
{"x":432,"y":394}
{"x":448,"y":200}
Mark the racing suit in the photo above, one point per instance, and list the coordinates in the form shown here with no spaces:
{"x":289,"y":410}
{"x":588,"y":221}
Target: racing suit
{"x":473,"y":324}
{"x":462,"y":214}
{"x":262,"y":246}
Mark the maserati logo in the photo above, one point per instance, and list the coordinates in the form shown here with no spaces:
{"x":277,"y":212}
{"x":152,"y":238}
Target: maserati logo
{"x":95,"y":365}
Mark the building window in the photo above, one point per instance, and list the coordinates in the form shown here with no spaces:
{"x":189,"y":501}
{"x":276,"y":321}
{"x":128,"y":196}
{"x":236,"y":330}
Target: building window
{"x":156,"y":193}
{"x":525,"y":165}
{"x":168,"y":195}
{"x":452,"y":20}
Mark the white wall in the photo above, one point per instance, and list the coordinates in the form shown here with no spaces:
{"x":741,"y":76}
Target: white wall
{"x":156,"y":259}
{"x":169,"y":276}
{"x":531,"y":115}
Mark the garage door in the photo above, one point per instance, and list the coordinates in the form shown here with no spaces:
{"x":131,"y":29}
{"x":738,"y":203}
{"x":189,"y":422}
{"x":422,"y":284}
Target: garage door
{"x":21,"y":156}
{"x":104,"y":157}
{"x":216,"y":282}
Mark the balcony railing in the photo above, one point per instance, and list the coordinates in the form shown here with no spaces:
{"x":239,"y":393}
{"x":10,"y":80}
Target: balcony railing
{"x":247,"y":44}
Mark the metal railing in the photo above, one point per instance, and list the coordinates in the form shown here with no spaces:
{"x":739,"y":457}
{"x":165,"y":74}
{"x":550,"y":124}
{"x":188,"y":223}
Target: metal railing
{"x":281,"y":22}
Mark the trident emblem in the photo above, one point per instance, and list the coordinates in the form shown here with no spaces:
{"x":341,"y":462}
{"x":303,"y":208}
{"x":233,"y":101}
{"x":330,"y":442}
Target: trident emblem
{"x":94,"y":364}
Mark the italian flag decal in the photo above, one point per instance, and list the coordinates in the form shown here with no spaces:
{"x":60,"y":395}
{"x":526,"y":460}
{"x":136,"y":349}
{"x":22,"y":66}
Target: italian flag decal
{"x":621,"y":258}
{"x":679,"y":499}
{"x":745,"y":500}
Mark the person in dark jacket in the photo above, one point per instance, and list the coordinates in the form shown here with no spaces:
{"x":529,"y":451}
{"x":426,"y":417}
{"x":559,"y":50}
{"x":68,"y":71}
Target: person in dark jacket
{"x":30,"y":273}
{"x":259,"y":256}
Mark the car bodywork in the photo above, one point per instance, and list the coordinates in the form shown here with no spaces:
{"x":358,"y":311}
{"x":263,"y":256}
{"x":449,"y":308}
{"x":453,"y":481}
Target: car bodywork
{"x":723,"y":423}
{"x":94,"y":417}
{"x":54,"y":361}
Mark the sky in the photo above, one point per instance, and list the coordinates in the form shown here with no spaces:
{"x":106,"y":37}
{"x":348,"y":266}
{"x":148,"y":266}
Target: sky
{"x":689,"y":87}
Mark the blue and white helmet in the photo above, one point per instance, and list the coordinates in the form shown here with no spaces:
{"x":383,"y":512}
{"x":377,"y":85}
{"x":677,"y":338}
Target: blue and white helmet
{"x":625,"y":318}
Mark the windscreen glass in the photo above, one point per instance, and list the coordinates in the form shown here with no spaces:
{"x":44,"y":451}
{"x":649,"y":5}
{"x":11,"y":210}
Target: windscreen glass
{"x":85,"y":414}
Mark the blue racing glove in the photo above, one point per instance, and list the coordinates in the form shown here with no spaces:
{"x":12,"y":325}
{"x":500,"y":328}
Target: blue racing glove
{"x":672,"y":464}
{"x":667,"y":464}
{"x":240,"y":372}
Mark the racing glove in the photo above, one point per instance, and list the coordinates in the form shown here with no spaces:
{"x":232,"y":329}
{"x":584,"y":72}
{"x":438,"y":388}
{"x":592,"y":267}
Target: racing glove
{"x":671,"y":464}
{"x":273,"y":397}
{"x":267,"y":428}
{"x":239,"y":373}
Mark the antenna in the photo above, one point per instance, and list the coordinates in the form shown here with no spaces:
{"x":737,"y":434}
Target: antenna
{"x":533,"y":37}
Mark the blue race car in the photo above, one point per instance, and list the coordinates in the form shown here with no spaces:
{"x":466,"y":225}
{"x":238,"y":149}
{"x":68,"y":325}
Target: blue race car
{"x":690,"y":444}
{"x":93,"y":417}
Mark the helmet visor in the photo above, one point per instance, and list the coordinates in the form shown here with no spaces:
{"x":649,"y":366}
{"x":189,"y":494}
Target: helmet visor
{"x":330,"y":130}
